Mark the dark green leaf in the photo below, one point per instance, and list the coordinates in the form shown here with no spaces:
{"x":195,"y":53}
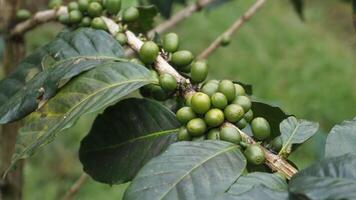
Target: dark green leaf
{"x":189,"y":170}
{"x":273,"y":114}
{"x":354,"y":12}
{"x":296,"y":131}
{"x":332,"y":178}
{"x":39,"y":76}
{"x":145,"y":22}
{"x":89,"y":92}
{"x":342,"y":139}
{"x":165,"y":6}
{"x":257,"y":192}
{"x":299,"y":7}
{"x":125,"y":137}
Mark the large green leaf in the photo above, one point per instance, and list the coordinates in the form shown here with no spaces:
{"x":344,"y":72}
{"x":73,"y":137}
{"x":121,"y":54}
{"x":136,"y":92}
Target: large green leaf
{"x":125,"y":137}
{"x":256,"y":192}
{"x":38,"y":77}
{"x":89,"y":92}
{"x":189,"y":170}
{"x":342,"y":139}
{"x":145,"y":21}
{"x":332,"y":178}
{"x":245,"y":183}
{"x":296,"y":131}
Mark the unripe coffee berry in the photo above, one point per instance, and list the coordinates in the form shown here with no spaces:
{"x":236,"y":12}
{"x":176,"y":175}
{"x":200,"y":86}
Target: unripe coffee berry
{"x":196,"y":127}
{"x":182,"y":58}
{"x":130,"y":14}
{"x":276,"y":144}
{"x":219,"y":100}
{"x":98,"y":23}
{"x":233,"y":113}
{"x":230,"y":134}
{"x":244,"y":102}
{"x":73,"y":6}
{"x":23,"y":14}
{"x":168,"y":82}
{"x":214,"y":134}
{"x":83,"y":5}
{"x":210,"y":88}
{"x":185,"y":114}
{"x":225,"y":40}
{"x":75,"y":16}
{"x":199,"y":72}
{"x":95,"y":9}
{"x":228,"y":89}
{"x":149,"y":52}
{"x":54,"y":4}
{"x":170,"y":42}
{"x":260,"y":128}
{"x":86,"y":21}
{"x":214,"y":117}
{"x":239,"y":90}
{"x":242,"y":123}
{"x":183,"y":135}
{"x":249,"y":115}
{"x":113,"y":6}
{"x":121,"y":38}
{"x":254,"y":154}
{"x":200,"y":103}
{"x":158,"y":93}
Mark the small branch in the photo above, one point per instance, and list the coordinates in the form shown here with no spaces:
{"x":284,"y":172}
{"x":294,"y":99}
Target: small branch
{"x":232,"y":29}
{"x":75,"y":187}
{"x":39,"y":18}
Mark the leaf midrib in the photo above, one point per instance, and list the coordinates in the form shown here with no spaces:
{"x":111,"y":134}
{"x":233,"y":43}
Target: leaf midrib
{"x":290,"y":138}
{"x":196,"y":166}
{"x":153,"y":134}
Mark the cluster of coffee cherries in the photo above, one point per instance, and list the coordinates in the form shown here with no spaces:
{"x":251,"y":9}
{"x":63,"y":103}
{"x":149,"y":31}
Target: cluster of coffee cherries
{"x":181,"y":60}
{"x":217,"y":102}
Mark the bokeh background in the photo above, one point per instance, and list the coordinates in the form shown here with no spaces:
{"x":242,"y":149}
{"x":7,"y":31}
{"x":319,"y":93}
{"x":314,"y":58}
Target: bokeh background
{"x":307,"y":68}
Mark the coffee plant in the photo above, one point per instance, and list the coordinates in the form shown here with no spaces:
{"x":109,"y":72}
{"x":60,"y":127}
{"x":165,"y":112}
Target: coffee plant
{"x":182,"y":136}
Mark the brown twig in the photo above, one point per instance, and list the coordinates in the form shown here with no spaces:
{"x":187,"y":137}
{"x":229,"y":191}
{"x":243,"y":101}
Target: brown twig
{"x":275,"y":162}
{"x":75,"y":187}
{"x":39,"y":18}
{"x":232,"y":29}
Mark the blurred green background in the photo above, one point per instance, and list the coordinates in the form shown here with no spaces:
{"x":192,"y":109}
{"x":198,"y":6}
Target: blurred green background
{"x":308,"y":69}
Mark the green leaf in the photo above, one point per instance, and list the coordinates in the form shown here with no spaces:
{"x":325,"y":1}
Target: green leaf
{"x":299,"y":8}
{"x":125,"y":137}
{"x":39,"y":76}
{"x":354,"y":12}
{"x":89,"y":92}
{"x":341,"y":139}
{"x":256,"y":192}
{"x":247,"y":182}
{"x":273,"y":114}
{"x":165,"y":6}
{"x":332,"y":178}
{"x":189,"y":170}
{"x":145,"y":21}
{"x":296,"y":131}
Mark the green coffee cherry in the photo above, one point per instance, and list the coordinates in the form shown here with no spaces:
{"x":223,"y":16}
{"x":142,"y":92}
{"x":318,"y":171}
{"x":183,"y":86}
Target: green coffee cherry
{"x":181,"y":59}
{"x":196,"y":127}
{"x":146,"y":90}
{"x":95,"y":9}
{"x":98,"y":23}
{"x":113,"y":6}
{"x":75,"y":16}
{"x":183,"y":135}
{"x":170,"y":42}
{"x":242,"y":123}
{"x":86,"y":21}
{"x":149,"y":52}
{"x":130,"y":14}
{"x":276,"y":144}
{"x":64,"y":19}
{"x":23,"y":14}
{"x":260,"y":128}
{"x":185,"y":114}
{"x":168,"y":82}
{"x":214,"y":134}
{"x":230,"y":134}
{"x":249,"y":115}
{"x":210,"y":88}
{"x":199,"y":71}
{"x":137,"y":61}
{"x":219,"y":100}
{"x":73,"y":6}
{"x":239,"y":90}
{"x":154,"y":74}
{"x":188,"y":100}
{"x":225,"y":40}
{"x":254,"y":154}
{"x":200,"y":103}
{"x":83,"y":5}
{"x":200,"y":138}
{"x":186,"y":69}
{"x":52,"y":4}
{"x":214,"y":117}
{"x":228,"y":89}
{"x":244,"y":102}
{"x":121,"y":38}
{"x":158,"y":93}
{"x":233,"y":113}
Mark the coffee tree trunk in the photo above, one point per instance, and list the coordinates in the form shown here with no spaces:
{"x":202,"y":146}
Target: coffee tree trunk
{"x":11,"y":187}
